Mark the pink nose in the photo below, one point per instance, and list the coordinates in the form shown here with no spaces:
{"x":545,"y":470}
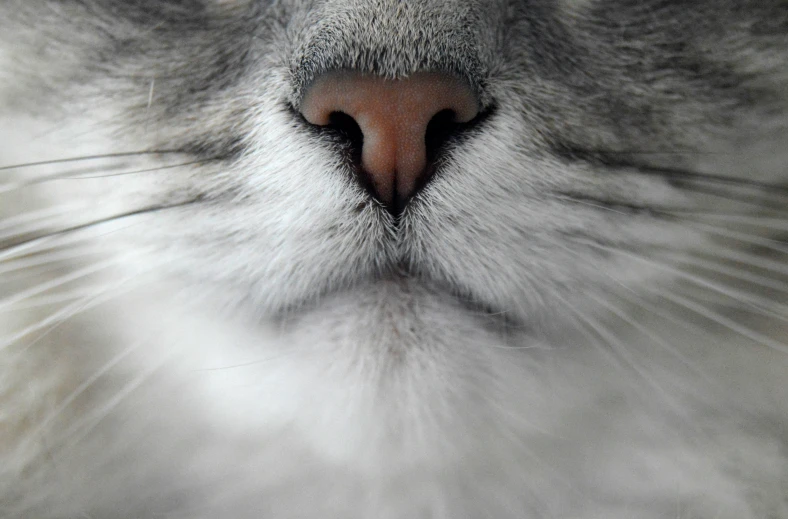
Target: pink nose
{"x":393,"y":116}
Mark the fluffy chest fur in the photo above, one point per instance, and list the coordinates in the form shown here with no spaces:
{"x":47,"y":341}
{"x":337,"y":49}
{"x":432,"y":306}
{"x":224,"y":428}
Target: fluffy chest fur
{"x":205,"y":310}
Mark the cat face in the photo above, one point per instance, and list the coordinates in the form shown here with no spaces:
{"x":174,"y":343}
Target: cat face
{"x":602,"y":128}
{"x":613,"y":151}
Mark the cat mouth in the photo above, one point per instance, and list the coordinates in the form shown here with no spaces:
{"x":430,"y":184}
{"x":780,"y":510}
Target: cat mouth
{"x":407,"y":280}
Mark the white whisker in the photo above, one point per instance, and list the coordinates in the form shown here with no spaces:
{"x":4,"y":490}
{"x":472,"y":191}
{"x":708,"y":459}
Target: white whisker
{"x":739,"y":274}
{"x":82,"y":232}
{"x":117,"y":171}
{"x":767,"y":243}
{"x":623,"y":352}
{"x":60,"y":281}
{"x":764,"y":306}
{"x":89,"y":421}
{"x":53,"y":257}
{"x":84,"y":386}
{"x":639,"y":300}
{"x":751,"y":260}
{"x":65,"y":313}
{"x":590,"y":332}
{"x":724,"y":321}
{"x":670,"y":348}
{"x":762,"y":222}
{"x":73,"y":172}
{"x":91,"y":158}
{"x":37,"y":302}
{"x":61,"y":239}
{"x":26,"y":218}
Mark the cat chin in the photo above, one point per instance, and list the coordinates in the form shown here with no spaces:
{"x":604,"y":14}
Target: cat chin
{"x":368,"y":382}
{"x":419,"y":354}
{"x":392,"y":390}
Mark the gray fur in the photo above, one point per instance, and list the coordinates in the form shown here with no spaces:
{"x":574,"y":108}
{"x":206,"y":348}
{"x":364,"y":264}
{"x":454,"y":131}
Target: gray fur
{"x":582,"y":315}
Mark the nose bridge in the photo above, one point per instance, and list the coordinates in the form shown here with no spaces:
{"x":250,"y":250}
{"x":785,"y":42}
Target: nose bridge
{"x":392,"y":39}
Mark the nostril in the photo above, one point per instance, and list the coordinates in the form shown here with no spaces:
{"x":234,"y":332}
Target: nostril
{"x":441,"y":128}
{"x":346,"y":126}
{"x":349,"y":133}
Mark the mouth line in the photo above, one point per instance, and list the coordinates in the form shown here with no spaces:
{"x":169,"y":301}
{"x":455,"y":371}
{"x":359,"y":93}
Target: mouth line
{"x":493,"y":318}
{"x":496,"y":317}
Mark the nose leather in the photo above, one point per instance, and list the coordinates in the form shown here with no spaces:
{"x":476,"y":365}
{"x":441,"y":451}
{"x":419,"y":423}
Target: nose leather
{"x":393,"y":116}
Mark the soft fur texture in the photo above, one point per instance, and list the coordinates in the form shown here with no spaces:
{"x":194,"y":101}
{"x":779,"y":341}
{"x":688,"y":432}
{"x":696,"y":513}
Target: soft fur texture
{"x":582,"y":315}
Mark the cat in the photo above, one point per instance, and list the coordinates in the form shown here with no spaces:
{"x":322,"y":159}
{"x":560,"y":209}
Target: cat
{"x":223,"y":295}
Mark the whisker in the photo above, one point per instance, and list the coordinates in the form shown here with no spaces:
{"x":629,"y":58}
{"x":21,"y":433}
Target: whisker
{"x":65,"y":176}
{"x":37,"y":302}
{"x":684,"y":175}
{"x":44,"y":246}
{"x":749,"y":260}
{"x":567,"y":197}
{"x":92,"y":157}
{"x":79,"y":430}
{"x":640,"y":301}
{"x":724,"y":321}
{"x":17,"y":183}
{"x":658,"y":310}
{"x":40,"y":245}
{"x":618,"y":161}
{"x":588,"y":330}
{"x":627,"y":208}
{"x":773,"y":245}
{"x":54,"y":319}
{"x":37,"y":215}
{"x":46,"y":258}
{"x":615,"y":310}
{"x":79,"y":390}
{"x":623,"y":352}
{"x":764,"y":199}
{"x":36,"y":228}
{"x":60,"y":281}
{"x":665,"y":152}
{"x":16,"y":248}
{"x":778,"y":224}
{"x":739,"y":274}
{"x":762,"y":305}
